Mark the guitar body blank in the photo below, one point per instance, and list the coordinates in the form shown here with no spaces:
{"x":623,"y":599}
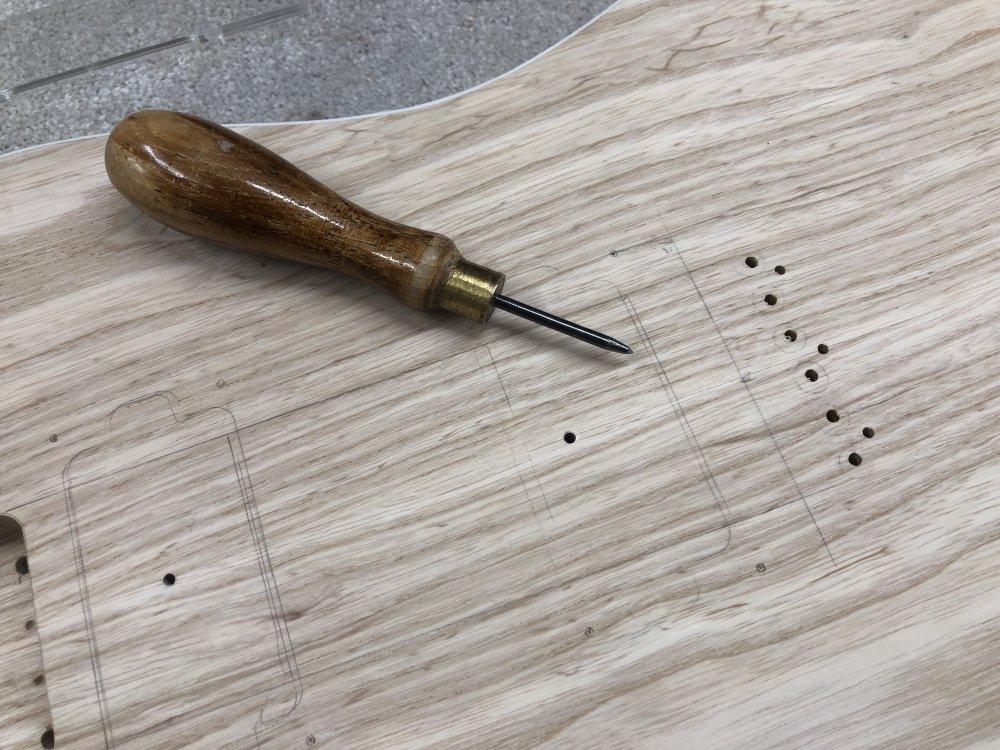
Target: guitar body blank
{"x":262,"y":505}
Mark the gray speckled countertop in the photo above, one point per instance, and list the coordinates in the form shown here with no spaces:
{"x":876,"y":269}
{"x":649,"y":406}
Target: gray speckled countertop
{"x":334,"y":58}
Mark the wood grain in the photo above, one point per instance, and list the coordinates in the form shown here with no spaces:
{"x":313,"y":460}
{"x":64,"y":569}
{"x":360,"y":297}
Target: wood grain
{"x":23,"y":700}
{"x":379,"y":531}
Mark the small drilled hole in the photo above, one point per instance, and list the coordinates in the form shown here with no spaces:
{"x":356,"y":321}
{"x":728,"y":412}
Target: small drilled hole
{"x":868,"y":432}
{"x":169,"y":579}
{"x":780,"y":270}
{"x":823,"y":349}
{"x":812,"y":376}
{"x":770,"y":299}
{"x":791,"y":335}
{"x":854,"y":459}
{"x":48,"y":739}
{"x":751,"y":262}
{"x":21,"y":565}
{"x":569,"y":437}
{"x":833,"y":416}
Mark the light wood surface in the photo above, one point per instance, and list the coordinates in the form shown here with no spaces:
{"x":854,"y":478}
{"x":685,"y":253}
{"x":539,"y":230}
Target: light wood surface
{"x":378,"y":533}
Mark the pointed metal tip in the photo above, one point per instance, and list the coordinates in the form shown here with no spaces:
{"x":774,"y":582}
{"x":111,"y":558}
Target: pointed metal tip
{"x":618,"y":346}
{"x":614,"y":345}
{"x":560,"y":324}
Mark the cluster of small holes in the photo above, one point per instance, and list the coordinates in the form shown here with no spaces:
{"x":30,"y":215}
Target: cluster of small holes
{"x":811,"y":375}
{"x":832,"y":415}
{"x":769,"y":299}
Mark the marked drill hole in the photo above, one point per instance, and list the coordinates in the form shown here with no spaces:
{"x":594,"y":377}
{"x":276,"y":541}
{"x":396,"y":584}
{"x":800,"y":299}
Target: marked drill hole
{"x":854,"y":459}
{"x":868,"y":432}
{"x":751,"y":262}
{"x":812,"y":376}
{"x":823,"y":349}
{"x":53,"y":438}
{"x":780,"y":270}
{"x":770,"y":299}
{"x":833,"y":416}
{"x":588,"y":632}
{"x":570,"y":437}
{"x":791,"y":335}
{"x":761,"y":567}
{"x":48,"y":739}
{"x":169,"y":579}
{"x":21,"y":565}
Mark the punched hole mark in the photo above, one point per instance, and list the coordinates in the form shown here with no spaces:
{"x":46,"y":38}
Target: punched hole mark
{"x":812,"y":376}
{"x":570,"y":437}
{"x":29,"y":625}
{"x":169,"y":579}
{"x":40,"y":680}
{"x":833,"y":416}
{"x":791,"y":335}
{"x":770,"y":299}
{"x":868,"y":432}
{"x":780,"y":270}
{"x":21,"y":565}
{"x":751,"y":262}
{"x":823,"y":349}
{"x":48,"y":739}
{"x":854,"y":459}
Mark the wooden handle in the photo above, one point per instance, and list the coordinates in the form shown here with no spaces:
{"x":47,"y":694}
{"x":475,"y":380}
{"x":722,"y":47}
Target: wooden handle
{"x":207,"y":181}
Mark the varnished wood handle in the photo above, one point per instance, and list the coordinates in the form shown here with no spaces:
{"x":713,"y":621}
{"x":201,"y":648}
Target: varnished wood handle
{"x":207,"y":181}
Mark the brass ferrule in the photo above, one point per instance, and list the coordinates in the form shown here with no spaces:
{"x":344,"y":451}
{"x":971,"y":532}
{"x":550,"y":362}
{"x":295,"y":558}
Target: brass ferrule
{"x":468,"y":290}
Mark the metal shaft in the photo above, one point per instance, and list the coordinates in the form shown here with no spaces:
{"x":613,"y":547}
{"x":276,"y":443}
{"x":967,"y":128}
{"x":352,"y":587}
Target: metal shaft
{"x":559,"y":324}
